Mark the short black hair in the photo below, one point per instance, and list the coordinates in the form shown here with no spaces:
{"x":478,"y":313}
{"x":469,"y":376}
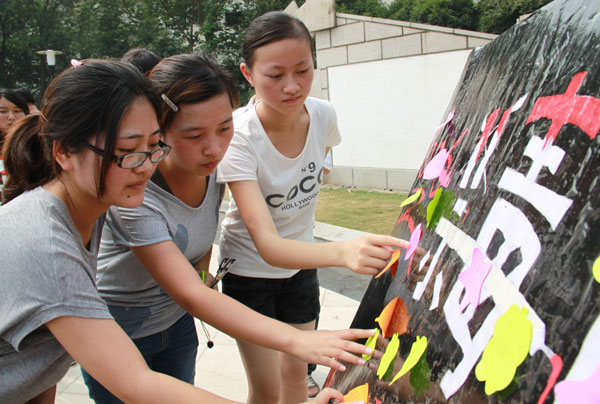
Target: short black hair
{"x":16,"y":98}
{"x":26,"y":94}
{"x":141,"y":58}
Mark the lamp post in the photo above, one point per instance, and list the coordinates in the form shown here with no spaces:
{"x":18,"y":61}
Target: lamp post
{"x":51,"y":61}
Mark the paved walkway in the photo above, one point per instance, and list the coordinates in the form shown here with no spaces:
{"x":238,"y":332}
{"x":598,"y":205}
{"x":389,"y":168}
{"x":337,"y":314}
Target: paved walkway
{"x":220,"y":369}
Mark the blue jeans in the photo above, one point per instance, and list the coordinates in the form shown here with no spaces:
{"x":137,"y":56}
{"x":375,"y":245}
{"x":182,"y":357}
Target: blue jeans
{"x":172,"y":352}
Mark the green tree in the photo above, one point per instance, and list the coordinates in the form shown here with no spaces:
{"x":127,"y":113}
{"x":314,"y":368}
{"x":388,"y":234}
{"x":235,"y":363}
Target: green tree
{"x":446,"y":13}
{"x":107,"y":28}
{"x":13,"y":41}
{"x":402,"y":9}
{"x":496,"y":16}
{"x":371,"y":8}
{"x":29,"y":26}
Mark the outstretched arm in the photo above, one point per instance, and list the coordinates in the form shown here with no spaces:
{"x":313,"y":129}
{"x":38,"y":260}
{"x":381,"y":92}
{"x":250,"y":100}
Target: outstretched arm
{"x":173,"y":272}
{"x":366,"y":254}
{"x":103,"y":349}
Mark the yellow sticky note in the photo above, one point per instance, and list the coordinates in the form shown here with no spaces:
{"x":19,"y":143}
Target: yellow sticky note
{"x":357,"y":394}
{"x":412,"y":198}
{"x":416,"y":351}
{"x":506,"y":350}
{"x":371,"y":342}
{"x":596,"y":269}
{"x":388,"y":356}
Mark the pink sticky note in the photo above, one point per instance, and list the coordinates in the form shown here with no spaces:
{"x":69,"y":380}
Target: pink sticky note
{"x":473,"y":278}
{"x":415,"y":237}
{"x":579,"y":391}
{"x":435,"y":166}
{"x":557,"y":365}
{"x":448,"y":119}
{"x":444,"y":178}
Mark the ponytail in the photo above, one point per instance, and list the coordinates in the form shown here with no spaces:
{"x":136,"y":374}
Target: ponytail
{"x":27,"y":157}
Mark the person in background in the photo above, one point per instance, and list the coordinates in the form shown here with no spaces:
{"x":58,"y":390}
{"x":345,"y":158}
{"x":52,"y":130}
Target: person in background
{"x":141,"y":58}
{"x":29,"y":99}
{"x":12,"y":107}
{"x":274,"y":168}
{"x":152,"y":257}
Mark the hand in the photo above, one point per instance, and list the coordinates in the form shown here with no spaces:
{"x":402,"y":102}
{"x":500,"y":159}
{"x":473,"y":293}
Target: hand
{"x":328,"y":394}
{"x":326,"y":348}
{"x":369,"y":253}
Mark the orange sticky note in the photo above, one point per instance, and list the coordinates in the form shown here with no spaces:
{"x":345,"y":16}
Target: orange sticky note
{"x":395,"y":256}
{"x":393,"y":319}
{"x":357,"y":394}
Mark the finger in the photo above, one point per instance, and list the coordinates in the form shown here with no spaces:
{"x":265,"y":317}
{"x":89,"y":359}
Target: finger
{"x":381,"y":240}
{"x":420,"y":252}
{"x":355,"y":333}
{"x":366,"y":271}
{"x":349,"y":358}
{"x":377,"y":354}
{"x":331,"y":363}
{"x":371,"y":264}
{"x":328,"y":395}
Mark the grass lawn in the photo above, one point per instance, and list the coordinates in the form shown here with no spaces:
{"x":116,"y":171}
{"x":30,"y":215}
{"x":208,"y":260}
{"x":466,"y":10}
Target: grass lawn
{"x":369,"y":211}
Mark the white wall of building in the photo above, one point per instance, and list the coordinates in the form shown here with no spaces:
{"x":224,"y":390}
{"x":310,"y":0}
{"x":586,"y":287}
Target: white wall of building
{"x":388,"y":109}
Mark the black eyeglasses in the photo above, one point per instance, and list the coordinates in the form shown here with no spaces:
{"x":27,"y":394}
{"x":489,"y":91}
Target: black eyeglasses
{"x":136,"y":159}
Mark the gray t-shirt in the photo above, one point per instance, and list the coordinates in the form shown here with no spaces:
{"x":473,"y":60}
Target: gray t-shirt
{"x":138,"y":303}
{"x":45,"y":273}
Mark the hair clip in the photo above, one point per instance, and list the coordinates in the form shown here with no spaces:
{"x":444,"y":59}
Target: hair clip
{"x":170,"y":103}
{"x":76,"y":63}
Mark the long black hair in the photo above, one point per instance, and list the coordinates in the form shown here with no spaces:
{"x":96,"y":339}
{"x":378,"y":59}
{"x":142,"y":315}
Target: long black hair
{"x":80,"y":103}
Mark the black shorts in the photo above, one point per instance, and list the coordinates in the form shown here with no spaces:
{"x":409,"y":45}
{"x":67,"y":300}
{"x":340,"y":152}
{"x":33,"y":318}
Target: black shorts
{"x":292,"y":300}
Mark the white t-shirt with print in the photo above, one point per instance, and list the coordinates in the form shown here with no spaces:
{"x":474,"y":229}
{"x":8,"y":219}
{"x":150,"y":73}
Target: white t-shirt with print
{"x":290,"y":186}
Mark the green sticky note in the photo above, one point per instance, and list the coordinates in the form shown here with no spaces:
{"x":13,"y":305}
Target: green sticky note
{"x":371,"y":342}
{"x":507,"y":349}
{"x":416,"y":351}
{"x":432,"y":206}
{"x":419,"y":375}
{"x":390,"y":372}
{"x":440,"y":206}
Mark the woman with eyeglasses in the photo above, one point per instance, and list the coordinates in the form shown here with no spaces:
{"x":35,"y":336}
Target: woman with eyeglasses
{"x":152,"y":257}
{"x":95,"y":144}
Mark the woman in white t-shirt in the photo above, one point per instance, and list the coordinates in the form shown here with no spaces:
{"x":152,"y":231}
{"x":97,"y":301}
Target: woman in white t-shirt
{"x":274,"y":168}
